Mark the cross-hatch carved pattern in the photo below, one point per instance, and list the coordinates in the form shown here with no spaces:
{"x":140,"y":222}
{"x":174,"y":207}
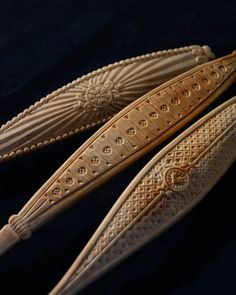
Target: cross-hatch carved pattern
{"x":145,"y":192}
{"x":171,"y":203}
{"x":192,"y":160}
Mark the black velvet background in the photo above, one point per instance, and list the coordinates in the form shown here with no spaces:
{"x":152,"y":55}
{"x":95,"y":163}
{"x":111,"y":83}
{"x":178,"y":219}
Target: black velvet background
{"x":44,"y":45}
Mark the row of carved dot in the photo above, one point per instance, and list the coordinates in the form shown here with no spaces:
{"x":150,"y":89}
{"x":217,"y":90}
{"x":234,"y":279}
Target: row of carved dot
{"x":69,"y":180}
{"x":175,"y":100}
{"x":94,"y":160}
{"x":214,"y":74}
{"x":108,"y":150}
{"x":195,"y":86}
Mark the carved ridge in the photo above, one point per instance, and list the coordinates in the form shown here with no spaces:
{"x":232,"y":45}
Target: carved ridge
{"x":20,"y":226}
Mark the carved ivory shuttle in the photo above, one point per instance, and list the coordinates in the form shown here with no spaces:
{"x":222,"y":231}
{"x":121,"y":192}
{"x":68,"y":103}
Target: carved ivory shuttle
{"x":94,"y":98}
{"x":167,"y":188}
{"x":133,"y":132}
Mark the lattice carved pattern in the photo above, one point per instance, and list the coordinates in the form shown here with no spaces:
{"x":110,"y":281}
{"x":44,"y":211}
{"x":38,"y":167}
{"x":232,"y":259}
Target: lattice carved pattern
{"x":173,"y":181}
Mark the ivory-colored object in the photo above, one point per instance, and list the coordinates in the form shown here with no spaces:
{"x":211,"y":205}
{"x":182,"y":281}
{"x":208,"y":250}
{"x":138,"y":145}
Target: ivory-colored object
{"x":168,"y":187}
{"x":94,"y":98}
{"x":133,"y":132}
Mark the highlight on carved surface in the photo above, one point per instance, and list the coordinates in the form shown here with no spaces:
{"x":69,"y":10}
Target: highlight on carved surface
{"x":169,"y":186}
{"x":94,"y":98}
{"x":133,"y":132}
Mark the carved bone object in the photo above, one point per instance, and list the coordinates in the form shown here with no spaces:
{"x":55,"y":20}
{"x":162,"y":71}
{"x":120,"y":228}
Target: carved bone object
{"x":168,"y":187}
{"x":94,"y":98}
{"x":133,"y":132}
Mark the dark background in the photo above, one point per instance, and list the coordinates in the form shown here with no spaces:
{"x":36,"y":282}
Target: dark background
{"x":46,"y":44}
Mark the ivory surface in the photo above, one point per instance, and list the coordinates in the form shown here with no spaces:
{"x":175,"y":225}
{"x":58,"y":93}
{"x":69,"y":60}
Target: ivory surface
{"x":134,"y":131}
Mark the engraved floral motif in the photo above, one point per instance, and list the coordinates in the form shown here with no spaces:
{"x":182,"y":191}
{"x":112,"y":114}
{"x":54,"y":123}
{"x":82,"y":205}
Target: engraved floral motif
{"x":95,"y":95}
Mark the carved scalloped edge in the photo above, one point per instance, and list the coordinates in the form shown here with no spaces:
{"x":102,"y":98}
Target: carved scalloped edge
{"x":196,"y":50}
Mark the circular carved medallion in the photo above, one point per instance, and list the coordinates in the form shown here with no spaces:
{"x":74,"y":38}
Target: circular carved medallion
{"x":100,"y":95}
{"x":176,"y":178}
{"x":97,"y":96}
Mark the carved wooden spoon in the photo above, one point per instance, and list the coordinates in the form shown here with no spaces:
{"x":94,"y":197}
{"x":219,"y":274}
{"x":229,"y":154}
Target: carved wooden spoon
{"x":94,"y":98}
{"x":133,"y":132}
{"x":167,"y":188}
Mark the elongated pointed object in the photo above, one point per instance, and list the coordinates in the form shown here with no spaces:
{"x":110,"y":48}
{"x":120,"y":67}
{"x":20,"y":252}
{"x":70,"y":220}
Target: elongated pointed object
{"x":133,"y":132}
{"x":94,"y":98}
{"x":167,"y":188}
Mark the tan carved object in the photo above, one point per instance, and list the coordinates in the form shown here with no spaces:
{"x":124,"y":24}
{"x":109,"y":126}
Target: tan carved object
{"x":133,"y":132}
{"x":168,"y":187}
{"x":94,"y":98}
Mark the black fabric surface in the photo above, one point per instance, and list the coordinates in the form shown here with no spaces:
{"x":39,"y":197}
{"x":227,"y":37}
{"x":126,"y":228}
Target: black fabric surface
{"x":46,"y":44}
